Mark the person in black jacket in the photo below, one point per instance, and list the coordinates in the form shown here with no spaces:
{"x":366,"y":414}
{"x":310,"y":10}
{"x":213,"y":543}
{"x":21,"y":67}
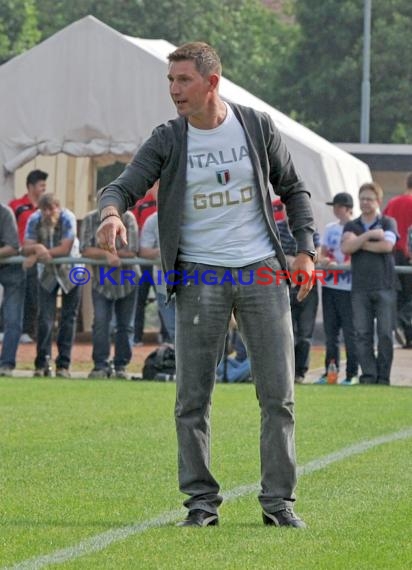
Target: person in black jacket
{"x":215,"y":163}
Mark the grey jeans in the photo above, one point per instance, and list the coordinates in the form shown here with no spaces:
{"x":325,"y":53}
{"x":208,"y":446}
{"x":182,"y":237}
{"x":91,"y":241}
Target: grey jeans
{"x":263,"y":315}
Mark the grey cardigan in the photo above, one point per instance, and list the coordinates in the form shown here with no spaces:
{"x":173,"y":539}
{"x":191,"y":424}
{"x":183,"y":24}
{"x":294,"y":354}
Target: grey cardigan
{"x":164,"y":156}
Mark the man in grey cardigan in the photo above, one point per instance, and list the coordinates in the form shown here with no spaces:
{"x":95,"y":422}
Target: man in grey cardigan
{"x":215,"y":163}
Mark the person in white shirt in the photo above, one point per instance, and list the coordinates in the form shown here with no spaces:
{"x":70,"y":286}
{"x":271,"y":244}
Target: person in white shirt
{"x":336,"y":293}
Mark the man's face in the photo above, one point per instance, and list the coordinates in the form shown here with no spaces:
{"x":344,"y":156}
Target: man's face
{"x":50,"y":215}
{"x":368,"y":201}
{"x":189,"y":90}
{"x":341,"y":212}
{"x":36,"y":190}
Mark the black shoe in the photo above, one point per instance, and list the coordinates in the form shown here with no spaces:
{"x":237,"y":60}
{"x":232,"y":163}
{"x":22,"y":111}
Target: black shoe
{"x":197,"y":517}
{"x":40,"y":372}
{"x":285,"y":517}
{"x":99,"y":373}
{"x":63,"y":373}
{"x":120,"y":373}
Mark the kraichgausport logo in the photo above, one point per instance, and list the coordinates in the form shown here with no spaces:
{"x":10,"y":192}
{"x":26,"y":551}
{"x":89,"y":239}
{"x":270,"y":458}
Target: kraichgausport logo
{"x":262,"y":276}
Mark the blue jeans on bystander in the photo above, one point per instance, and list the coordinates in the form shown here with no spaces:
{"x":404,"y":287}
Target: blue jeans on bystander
{"x":66,"y":329}
{"x":124,"y":312}
{"x":13,"y":280}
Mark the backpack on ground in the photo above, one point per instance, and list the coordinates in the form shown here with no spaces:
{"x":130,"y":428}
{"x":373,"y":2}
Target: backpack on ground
{"x":160,"y":364}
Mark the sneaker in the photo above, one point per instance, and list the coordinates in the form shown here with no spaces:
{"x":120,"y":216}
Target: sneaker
{"x":99,"y":373}
{"x":299,"y":379}
{"x":63,"y":373}
{"x":350,"y":381}
{"x":40,"y":372}
{"x":285,"y":517}
{"x":120,"y":373}
{"x":26,"y":339}
{"x":198,"y":517}
{"x":138,"y":343}
{"x":6,"y":370}
{"x":322,"y":380}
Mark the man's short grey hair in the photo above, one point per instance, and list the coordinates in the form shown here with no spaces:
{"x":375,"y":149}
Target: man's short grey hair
{"x":48,"y":201}
{"x":203,"y":55}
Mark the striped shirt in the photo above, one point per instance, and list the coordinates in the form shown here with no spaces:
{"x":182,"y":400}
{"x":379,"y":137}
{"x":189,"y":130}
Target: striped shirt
{"x":101,"y":284}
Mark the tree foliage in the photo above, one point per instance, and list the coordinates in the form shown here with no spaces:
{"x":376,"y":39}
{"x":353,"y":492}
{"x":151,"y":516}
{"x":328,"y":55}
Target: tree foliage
{"x":18,"y":27}
{"x":249,"y":36}
{"x":323,"y":74}
{"x":308,"y":65}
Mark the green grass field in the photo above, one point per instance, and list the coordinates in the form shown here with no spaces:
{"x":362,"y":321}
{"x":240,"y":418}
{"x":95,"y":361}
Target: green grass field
{"x":84,"y":459}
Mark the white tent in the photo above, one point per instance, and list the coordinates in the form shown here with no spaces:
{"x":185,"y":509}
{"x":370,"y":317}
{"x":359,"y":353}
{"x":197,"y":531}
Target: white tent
{"x":91,"y":91}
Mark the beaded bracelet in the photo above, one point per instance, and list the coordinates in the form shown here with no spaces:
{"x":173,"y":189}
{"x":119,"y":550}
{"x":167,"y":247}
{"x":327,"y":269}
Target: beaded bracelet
{"x":109,"y":216}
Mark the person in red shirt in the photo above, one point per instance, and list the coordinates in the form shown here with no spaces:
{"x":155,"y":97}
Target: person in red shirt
{"x":146,"y":206}
{"x":23,"y":208}
{"x":400,"y":208}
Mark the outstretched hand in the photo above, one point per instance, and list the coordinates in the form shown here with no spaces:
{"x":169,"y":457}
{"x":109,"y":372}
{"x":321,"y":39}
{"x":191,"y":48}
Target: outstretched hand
{"x":107,"y":232}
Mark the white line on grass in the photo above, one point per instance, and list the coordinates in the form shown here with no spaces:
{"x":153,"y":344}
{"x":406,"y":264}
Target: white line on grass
{"x":102,"y":541}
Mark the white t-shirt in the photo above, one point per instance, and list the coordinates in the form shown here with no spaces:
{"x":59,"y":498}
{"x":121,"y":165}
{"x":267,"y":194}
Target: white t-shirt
{"x":223,"y":223}
{"x":331,"y":240}
{"x":149,"y":238}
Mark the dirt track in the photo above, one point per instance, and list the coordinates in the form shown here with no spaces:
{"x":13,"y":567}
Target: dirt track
{"x":81,"y":357}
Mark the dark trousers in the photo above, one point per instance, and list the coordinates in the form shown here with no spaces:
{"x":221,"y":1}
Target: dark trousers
{"x":142,"y":294}
{"x":303,"y":319}
{"x":337,"y":316}
{"x":13,"y":280}
{"x":368,"y":306}
{"x":404,"y":297}
{"x":67,"y":326}
{"x":30,"y":302}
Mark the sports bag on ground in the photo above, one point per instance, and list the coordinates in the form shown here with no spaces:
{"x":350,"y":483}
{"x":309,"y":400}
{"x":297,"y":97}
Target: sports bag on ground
{"x":160,"y":364}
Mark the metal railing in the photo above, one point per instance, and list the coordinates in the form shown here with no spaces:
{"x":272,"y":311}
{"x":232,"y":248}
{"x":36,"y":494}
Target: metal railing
{"x":143,"y":261}
{"x":83,"y":260}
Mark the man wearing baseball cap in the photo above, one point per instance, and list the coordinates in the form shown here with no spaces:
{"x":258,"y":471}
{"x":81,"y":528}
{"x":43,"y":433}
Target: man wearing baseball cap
{"x":342,"y":199}
{"x":336,"y":297}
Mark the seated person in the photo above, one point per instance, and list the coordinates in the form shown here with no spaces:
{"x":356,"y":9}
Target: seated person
{"x":234,"y":367}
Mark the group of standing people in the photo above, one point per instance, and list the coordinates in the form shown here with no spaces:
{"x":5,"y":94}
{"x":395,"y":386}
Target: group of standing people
{"x":37,"y":227}
{"x":377,"y":302}
{"x":367,"y":294}
{"x":365,"y":300}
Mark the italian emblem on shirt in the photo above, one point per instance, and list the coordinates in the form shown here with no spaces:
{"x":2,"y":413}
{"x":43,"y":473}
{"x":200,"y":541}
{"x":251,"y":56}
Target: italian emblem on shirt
{"x":223,"y":176}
